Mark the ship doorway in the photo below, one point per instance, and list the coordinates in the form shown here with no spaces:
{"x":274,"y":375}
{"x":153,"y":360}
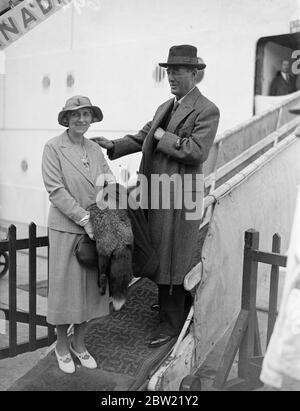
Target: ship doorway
{"x":270,"y":52}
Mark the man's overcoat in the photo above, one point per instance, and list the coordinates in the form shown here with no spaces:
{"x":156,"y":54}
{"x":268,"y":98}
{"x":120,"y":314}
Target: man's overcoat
{"x":195,"y":124}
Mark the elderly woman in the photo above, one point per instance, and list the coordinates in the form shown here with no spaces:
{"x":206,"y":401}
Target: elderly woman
{"x":71,"y":166}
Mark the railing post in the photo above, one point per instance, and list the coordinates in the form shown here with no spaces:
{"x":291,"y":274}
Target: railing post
{"x":51,"y":329}
{"x":12,"y":236}
{"x":32,"y":287}
{"x":249,"y":289}
{"x":273,"y":294}
{"x":278,"y":124}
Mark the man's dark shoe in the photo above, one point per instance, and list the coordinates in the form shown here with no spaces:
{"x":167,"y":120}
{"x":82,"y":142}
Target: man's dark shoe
{"x":155,"y":307}
{"x":160,"y":340}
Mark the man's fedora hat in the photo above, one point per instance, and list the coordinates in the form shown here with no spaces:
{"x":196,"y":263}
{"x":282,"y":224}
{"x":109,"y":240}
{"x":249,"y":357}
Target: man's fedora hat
{"x":75,"y":103}
{"x":184,"y":55}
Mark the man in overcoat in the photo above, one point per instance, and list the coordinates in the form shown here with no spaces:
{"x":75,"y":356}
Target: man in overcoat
{"x":176,"y":142}
{"x":284,"y":82}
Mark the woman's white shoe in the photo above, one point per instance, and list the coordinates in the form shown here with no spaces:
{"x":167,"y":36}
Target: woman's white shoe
{"x":85,"y":358}
{"x":65,"y":362}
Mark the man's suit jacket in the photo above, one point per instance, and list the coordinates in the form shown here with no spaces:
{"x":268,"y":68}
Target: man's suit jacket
{"x":281,"y":87}
{"x":71,"y":187}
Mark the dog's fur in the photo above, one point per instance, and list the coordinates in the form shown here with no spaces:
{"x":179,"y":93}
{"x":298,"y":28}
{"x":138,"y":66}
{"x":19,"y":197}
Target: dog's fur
{"x":114,"y":243}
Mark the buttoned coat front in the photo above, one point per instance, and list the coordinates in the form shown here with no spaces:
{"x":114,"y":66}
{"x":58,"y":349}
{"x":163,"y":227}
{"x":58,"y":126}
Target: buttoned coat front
{"x":193,"y":125}
{"x":71,"y":187}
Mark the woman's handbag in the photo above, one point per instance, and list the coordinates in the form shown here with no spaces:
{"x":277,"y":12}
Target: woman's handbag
{"x":86,"y":252}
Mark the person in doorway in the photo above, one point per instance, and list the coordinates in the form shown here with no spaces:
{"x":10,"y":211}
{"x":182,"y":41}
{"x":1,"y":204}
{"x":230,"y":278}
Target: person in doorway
{"x":284,"y":82}
{"x":71,"y":165}
{"x":176,"y":142}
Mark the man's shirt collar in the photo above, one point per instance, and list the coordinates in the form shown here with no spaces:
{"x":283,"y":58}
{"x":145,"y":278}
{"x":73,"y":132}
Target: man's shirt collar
{"x":182,"y":98}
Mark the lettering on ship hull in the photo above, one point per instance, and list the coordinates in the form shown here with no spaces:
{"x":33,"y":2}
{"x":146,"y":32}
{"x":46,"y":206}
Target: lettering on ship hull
{"x":24,"y":17}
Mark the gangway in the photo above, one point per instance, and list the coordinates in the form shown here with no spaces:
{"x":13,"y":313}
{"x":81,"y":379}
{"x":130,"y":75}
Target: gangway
{"x":252,"y":173}
{"x":235,"y":200}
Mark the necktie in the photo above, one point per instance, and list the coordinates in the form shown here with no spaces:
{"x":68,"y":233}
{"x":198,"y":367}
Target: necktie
{"x":175,"y":107}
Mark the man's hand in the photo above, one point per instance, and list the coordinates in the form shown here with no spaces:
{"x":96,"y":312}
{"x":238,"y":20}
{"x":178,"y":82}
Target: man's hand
{"x":159,"y":132}
{"x":103,"y":142}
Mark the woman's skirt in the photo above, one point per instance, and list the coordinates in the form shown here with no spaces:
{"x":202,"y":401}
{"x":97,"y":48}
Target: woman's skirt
{"x":73,"y":291}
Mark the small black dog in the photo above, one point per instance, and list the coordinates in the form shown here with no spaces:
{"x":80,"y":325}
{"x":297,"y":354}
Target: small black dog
{"x":114,"y":243}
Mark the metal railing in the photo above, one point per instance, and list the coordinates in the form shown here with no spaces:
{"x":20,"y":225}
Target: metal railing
{"x":12,"y":314}
{"x":233,"y":142}
{"x":245,"y":337}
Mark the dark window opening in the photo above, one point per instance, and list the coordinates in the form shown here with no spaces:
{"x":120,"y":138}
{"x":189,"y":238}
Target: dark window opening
{"x":270,"y":53}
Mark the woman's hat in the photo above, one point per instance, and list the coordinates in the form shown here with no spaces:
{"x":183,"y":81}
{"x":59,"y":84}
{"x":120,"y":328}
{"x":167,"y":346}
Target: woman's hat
{"x":75,"y":103}
{"x":184,"y":55}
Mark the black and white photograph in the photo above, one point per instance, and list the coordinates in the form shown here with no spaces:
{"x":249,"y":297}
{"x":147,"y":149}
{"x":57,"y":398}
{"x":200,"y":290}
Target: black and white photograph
{"x":149,"y":198}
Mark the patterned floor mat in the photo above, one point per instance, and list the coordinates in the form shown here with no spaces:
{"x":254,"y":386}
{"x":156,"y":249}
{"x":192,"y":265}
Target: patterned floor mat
{"x":119,"y":341}
{"x":119,"y":344}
